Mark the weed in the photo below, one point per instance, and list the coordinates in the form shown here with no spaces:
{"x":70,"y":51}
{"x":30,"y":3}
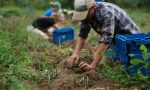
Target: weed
{"x":49,"y":71}
{"x":116,"y":74}
{"x":142,"y":65}
{"x":85,"y":80}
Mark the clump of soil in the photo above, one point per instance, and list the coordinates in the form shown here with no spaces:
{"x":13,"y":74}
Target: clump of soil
{"x":70,"y":79}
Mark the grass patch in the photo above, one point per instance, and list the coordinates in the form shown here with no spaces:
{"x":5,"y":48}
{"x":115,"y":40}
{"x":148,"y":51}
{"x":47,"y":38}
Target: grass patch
{"x":15,"y":11}
{"x":20,"y":50}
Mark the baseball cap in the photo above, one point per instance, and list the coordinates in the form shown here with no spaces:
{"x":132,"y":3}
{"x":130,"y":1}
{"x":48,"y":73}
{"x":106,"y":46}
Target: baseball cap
{"x":56,"y":4}
{"x":81,"y":9}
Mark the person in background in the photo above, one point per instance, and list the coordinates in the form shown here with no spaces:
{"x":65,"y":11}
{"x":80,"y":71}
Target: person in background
{"x":50,"y":21}
{"x":107,"y":20}
{"x":55,"y":13}
{"x":46,"y":25}
{"x":55,"y":7}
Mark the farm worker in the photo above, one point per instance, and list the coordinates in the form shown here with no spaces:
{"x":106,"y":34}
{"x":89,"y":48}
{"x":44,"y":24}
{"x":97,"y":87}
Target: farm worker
{"x":55,"y":7}
{"x":55,"y":13}
{"x":46,"y":25}
{"x":107,"y":20}
{"x":49,"y":22}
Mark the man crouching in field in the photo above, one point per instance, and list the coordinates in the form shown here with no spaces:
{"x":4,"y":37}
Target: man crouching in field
{"x":107,"y":20}
{"x":46,"y":25}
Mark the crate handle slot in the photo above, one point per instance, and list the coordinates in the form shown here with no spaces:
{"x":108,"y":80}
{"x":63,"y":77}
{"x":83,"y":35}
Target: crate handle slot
{"x":138,"y":39}
{"x":147,"y":38}
{"x":133,"y":44}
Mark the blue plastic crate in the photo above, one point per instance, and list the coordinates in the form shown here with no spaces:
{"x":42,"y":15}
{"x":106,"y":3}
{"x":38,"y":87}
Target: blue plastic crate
{"x":62,"y":35}
{"x":130,"y":44}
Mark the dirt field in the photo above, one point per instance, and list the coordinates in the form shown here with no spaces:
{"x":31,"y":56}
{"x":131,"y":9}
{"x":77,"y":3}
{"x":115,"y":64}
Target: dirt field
{"x":75,"y":79}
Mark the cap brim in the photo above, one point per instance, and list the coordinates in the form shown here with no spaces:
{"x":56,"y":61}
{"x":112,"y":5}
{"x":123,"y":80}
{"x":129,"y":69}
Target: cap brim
{"x":51,"y":3}
{"x":80,"y":15}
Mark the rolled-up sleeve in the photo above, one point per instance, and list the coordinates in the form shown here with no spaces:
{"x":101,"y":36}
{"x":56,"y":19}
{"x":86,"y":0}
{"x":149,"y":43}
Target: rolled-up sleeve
{"x":84,"y":29}
{"x":108,"y":27}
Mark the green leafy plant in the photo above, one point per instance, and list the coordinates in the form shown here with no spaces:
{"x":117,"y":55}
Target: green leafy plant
{"x":142,"y":64}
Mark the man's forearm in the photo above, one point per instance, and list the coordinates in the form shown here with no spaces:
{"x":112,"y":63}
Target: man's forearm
{"x":98,"y":55}
{"x":79,"y":45}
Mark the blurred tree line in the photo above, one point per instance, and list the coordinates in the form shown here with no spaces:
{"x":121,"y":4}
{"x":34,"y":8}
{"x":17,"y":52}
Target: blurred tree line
{"x":131,"y":3}
{"x":38,"y":4}
{"x":43,"y":4}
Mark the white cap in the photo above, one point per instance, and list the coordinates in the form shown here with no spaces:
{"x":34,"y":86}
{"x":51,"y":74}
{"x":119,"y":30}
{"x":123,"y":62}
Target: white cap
{"x":81,"y":8}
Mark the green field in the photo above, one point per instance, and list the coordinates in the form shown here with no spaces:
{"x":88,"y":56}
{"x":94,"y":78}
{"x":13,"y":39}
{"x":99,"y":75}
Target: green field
{"x":26,"y":59}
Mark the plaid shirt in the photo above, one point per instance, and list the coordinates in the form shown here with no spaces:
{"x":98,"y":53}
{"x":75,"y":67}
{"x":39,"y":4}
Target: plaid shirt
{"x":108,"y":20}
